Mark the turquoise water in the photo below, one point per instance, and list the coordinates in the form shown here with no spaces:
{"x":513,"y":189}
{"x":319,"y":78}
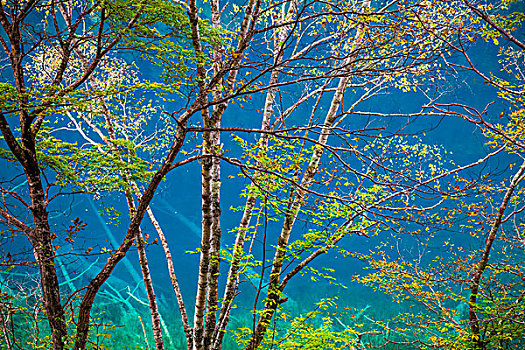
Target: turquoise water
{"x":122,"y":301}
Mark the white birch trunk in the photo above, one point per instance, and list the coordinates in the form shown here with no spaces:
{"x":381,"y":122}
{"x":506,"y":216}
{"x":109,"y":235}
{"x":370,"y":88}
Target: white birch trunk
{"x":238,"y":251}
{"x":273,"y":299}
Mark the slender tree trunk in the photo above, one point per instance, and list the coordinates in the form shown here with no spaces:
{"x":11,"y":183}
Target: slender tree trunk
{"x":126,"y":176}
{"x":148,"y":283}
{"x":238,"y":249}
{"x":204,"y":265}
{"x":206,"y":190}
{"x":215,"y":233}
{"x":274,"y":293}
{"x":4,"y":324}
{"x":143,"y":260}
{"x":482,"y":265}
{"x":174,"y":282}
{"x":215,"y":241}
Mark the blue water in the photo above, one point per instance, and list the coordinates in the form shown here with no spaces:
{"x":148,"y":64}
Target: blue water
{"x":177,"y":208}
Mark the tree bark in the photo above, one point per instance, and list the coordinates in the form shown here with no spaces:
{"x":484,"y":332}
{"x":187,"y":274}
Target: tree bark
{"x":238,"y":249}
{"x":482,"y":265}
{"x":40,"y":235}
{"x":148,"y":283}
{"x":174,"y":282}
{"x":274,"y":293}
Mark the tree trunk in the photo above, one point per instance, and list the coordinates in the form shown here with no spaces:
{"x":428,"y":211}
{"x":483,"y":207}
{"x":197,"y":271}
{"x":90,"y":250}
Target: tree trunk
{"x":238,"y":249}
{"x":44,"y":256}
{"x":476,"y":279}
{"x":148,"y":283}
{"x":204,"y":264}
{"x":274,"y":293}
{"x":174,"y":282}
{"x":43,"y":249}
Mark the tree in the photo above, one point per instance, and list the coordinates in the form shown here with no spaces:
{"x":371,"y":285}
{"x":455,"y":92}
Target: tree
{"x":66,"y":28}
{"x":472,"y":299}
{"x":337,"y":175}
